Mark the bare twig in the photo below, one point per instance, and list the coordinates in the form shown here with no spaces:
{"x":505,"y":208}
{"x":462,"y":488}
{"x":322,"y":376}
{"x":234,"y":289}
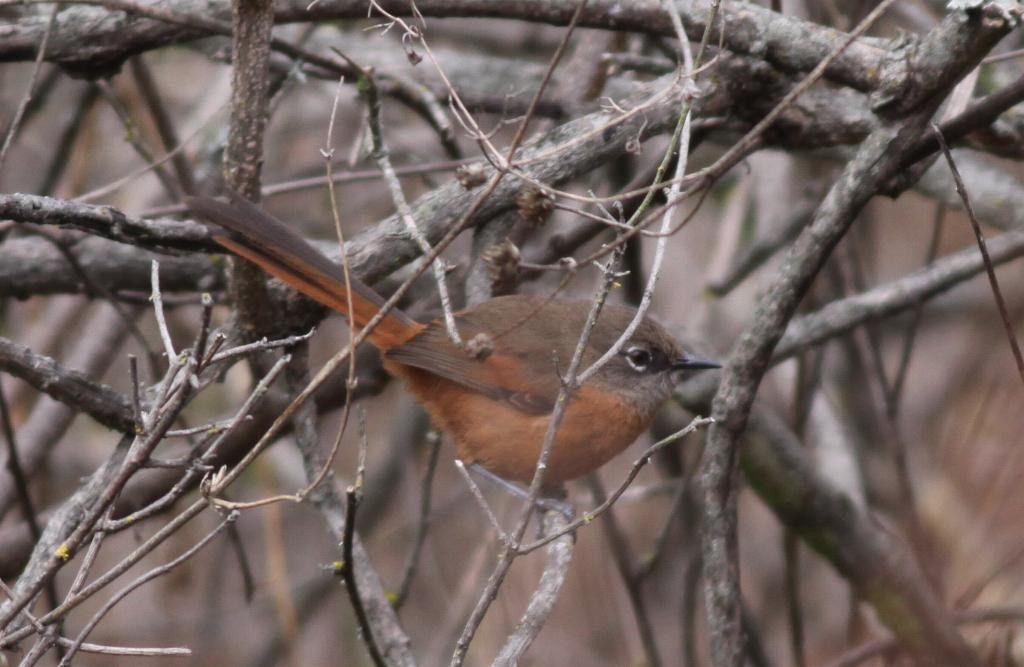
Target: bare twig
{"x":478,"y":496}
{"x":164,"y":125}
{"x":12,"y":129}
{"x":133,"y":137}
{"x":896,"y":388}
{"x":262,"y":345}
{"x":145,"y":578}
{"x":508,"y":553}
{"x":174,"y":155}
{"x":543,"y":599}
{"x":383,"y":158}
{"x":346,"y":568}
{"x":16,"y":471}
{"x":328,"y":154}
{"x":433,"y":439}
{"x":14,"y":467}
{"x":645,"y":458}
{"x":961,"y":49}
{"x":979,"y":236}
{"x":65,"y":143}
{"x":90,"y":556}
{"x":158,"y":310}
{"x":630,"y":580}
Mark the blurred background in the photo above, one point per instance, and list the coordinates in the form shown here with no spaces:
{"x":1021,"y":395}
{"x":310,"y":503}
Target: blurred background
{"x":912,"y":416}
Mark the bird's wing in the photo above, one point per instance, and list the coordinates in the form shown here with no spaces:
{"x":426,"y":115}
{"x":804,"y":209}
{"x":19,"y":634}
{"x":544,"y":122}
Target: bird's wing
{"x":501,"y":375}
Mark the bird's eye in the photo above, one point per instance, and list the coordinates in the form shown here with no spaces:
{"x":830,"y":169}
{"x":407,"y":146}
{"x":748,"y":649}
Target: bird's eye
{"x":638,"y":358}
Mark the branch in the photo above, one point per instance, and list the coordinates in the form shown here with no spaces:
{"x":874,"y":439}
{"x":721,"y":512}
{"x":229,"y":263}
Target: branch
{"x":164,"y":486}
{"x":997,"y":292}
{"x":33,"y":266}
{"x":877,"y":565}
{"x":843,"y":315}
{"x":92,"y":37}
{"x":559,"y":555}
{"x":956,"y":45}
{"x":72,"y":388}
{"x":252,"y":22}
{"x":565,"y":152}
{"x":161,"y":234}
{"x":817,"y":119}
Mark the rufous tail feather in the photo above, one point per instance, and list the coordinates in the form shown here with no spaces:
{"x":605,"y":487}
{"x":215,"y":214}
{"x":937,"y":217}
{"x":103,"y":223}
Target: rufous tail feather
{"x":281,"y":252}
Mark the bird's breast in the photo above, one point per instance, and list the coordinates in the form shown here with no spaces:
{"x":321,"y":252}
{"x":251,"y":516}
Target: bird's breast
{"x":506,"y":441}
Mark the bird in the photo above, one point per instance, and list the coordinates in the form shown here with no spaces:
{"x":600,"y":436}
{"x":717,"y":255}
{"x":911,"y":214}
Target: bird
{"x":495,"y":403}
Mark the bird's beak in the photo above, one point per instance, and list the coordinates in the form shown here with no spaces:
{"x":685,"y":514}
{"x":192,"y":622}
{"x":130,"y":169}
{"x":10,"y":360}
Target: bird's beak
{"x":690,"y":363}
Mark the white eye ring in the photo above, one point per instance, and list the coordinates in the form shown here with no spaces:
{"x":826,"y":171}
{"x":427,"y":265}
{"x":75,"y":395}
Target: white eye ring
{"x":638,"y":358}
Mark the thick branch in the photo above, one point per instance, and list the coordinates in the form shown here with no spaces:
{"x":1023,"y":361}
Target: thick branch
{"x":879,"y":567}
{"x":91,"y":37}
{"x":957,"y":44}
{"x":34,"y":266}
{"x":99,"y":401}
{"x":885,"y":300}
{"x":252,"y":22}
{"x":161,"y":234}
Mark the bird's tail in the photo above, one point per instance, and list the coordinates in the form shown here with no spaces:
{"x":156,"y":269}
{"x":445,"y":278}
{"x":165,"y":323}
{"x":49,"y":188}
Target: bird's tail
{"x":251,"y":233}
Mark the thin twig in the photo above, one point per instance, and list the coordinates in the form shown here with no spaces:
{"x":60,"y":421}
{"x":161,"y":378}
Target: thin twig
{"x":382,"y":156}
{"x":680,"y":490}
{"x":134,"y":138}
{"x":145,"y":578}
{"x":132,"y":651}
{"x":679,"y":145}
{"x":262,"y":345}
{"x":896,"y":388}
{"x":623,"y":559}
{"x":152,"y":164}
{"x":423,"y":521}
{"x":98,"y":536}
{"x":645,"y":458}
{"x":14,"y":466}
{"x":346,"y":568}
{"x":556,"y":569}
{"x":12,"y":130}
{"x":164,"y":125}
{"x":328,"y":154}
{"x":133,"y":377}
{"x":983,"y":248}
{"x":17,"y":472}
{"x":158,"y":311}
{"x":482,"y":502}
